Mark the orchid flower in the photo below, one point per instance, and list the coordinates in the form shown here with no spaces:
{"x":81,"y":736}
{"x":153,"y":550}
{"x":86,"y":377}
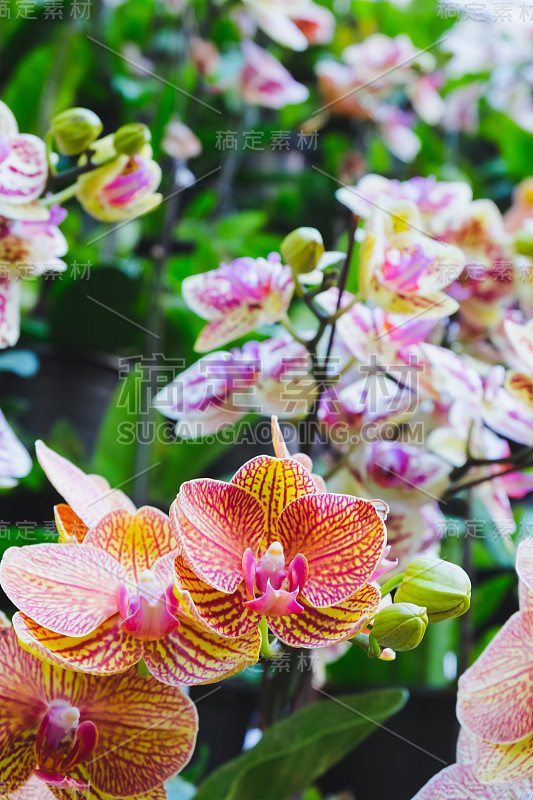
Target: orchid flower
{"x":102,"y":606}
{"x":494,"y":699}
{"x":15,"y":461}
{"x":122,"y":736}
{"x":269,"y":546}
{"x":30,"y":245}
{"x":23,"y":165}
{"x":459,"y":781}
{"x":264,"y":81}
{"x":238,"y":297}
{"x":122,"y":189}
{"x":409,"y":479}
{"x":295,"y":23}
{"x":374,"y":336}
{"x":489,"y":283}
{"x":433,"y":198}
{"x":495,"y":745}
{"x":89,"y":497}
{"x":520,"y":384}
{"x":402,"y":269}
{"x":222,"y":387}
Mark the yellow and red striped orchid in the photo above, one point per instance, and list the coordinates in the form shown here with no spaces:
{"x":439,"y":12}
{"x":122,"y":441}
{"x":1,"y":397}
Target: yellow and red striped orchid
{"x":89,"y":497}
{"x":494,"y":699}
{"x":121,"y":735}
{"x":269,"y":545}
{"x":102,"y":606}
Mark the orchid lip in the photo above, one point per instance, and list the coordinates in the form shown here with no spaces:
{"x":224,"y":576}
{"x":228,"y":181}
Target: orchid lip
{"x":62,"y":743}
{"x":278,"y":588}
{"x":149,"y":613}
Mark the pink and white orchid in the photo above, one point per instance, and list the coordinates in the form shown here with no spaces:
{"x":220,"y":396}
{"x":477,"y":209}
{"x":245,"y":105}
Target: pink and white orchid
{"x":238,"y":297}
{"x":295,"y":23}
{"x":121,"y":736}
{"x":402,"y":269}
{"x":23,"y":165}
{"x":262,"y":377}
{"x":15,"y":461}
{"x":31,"y":244}
{"x":268,"y":544}
{"x":102,"y":606}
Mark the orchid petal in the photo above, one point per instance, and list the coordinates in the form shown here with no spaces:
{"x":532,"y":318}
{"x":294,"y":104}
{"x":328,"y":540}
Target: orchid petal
{"x":19,"y":674}
{"x":219,"y":332}
{"x":494,"y":699}
{"x":524,"y":569}
{"x":504,"y":763}
{"x":80,"y":491}
{"x":322,"y":627}
{"x":70,"y":527}
{"x":17,"y":761}
{"x":215,"y":522}
{"x":342,"y":538}
{"x":520,"y":386}
{"x":274,"y":482}
{"x":135,"y":540}
{"x":146,"y":731}
{"x":459,"y":783}
{"x":194,"y":654}
{"x":226,"y":614}
{"x":34,"y":789}
{"x":69,"y":590}
{"x":105,"y":651}
{"x":9,"y":311}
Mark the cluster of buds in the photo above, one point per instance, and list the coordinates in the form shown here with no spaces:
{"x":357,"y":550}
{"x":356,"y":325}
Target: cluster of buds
{"x":431,"y":591}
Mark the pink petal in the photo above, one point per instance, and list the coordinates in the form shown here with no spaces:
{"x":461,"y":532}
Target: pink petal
{"x":215,"y":523}
{"x":68,"y":589}
{"x":342,"y":538}
{"x":494,"y":699}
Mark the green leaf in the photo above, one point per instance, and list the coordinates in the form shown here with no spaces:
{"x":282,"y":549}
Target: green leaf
{"x":297,"y":750}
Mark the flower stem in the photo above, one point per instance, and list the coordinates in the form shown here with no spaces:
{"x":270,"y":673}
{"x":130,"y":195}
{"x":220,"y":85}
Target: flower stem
{"x":268,"y":649}
{"x":60,"y":197}
{"x":391,"y":584}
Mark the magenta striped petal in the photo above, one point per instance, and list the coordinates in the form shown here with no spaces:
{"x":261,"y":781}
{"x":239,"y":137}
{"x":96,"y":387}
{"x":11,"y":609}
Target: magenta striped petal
{"x":524,"y":568}
{"x":321,"y":627}
{"x":494,"y":699}
{"x":24,"y":172}
{"x":215,"y":523}
{"x":68,"y":589}
{"x":193,"y":654}
{"x":342,"y":538}
{"x":105,"y":651}
{"x":86,"y":494}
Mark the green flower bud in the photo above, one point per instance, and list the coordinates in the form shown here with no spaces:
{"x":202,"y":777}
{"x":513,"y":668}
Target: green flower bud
{"x":75,"y":129}
{"x":443,"y":588}
{"x":302,"y":249}
{"x":524,"y":242}
{"x":401,"y":626}
{"x":130,"y":139}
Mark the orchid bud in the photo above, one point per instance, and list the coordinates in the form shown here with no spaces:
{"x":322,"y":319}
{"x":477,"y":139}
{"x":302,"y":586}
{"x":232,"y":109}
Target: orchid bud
{"x":524,"y":242}
{"x":302,"y":249}
{"x":130,"y":139}
{"x":401,"y":626}
{"x":443,"y":588}
{"x":75,"y":129}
